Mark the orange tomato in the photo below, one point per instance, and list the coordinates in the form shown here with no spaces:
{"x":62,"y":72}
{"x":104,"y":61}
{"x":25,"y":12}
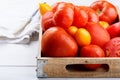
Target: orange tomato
{"x":104,"y":24}
{"x":44,"y":7}
{"x":83,"y":37}
{"x":72,"y":30}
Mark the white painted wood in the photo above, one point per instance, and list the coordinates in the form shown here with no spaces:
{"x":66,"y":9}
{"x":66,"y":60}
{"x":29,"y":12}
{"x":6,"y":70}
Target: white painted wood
{"x":18,"y":73}
{"x":18,"y":54}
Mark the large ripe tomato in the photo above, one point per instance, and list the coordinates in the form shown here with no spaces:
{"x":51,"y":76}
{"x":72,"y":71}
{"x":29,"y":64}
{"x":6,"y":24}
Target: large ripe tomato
{"x":92,"y":15}
{"x":56,"y":42}
{"x":80,"y":17}
{"x":106,"y":11}
{"x":47,"y":20}
{"x":64,"y":17}
{"x":114,"y":30}
{"x":92,"y":51}
{"x":112,"y":48}
{"x":99,"y":35}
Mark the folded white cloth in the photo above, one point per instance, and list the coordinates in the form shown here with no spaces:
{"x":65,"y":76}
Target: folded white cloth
{"x":24,"y":33}
{"x":17,"y":24}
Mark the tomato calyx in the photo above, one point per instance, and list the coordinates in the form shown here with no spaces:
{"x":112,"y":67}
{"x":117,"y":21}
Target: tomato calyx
{"x":98,"y":11}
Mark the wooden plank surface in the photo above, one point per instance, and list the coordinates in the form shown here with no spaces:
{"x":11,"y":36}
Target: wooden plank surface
{"x":56,"y":67}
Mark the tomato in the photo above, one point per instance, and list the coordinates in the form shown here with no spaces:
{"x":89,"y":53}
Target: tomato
{"x":104,"y":24}
{"x":59,"y":5}
{"x":56,"y":42}
{"x":106,"y":11}
{"x":47,"y":20}
{"x":72,"y":30}
{"x":64,"y":17}
{"x":112,"y":48}
{"x":83,"y":37}
{"x":44,"y":7}
{"x":55,"y":6}
{"x":99,"y":35}
{"x":92,"y":15}
{"x":80,"y":17}
{"x":92,"y":51}
{"x":114,"y":30}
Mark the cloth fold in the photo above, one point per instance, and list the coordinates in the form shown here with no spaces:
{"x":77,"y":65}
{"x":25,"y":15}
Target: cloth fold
{"x":24,"y":33}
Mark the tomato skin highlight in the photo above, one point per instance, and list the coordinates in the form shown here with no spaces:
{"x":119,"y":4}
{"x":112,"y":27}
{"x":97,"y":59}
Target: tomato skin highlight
{"x":56,"y":42}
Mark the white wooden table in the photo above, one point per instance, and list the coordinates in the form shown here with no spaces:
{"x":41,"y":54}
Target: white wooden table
{"x":18,"y":62}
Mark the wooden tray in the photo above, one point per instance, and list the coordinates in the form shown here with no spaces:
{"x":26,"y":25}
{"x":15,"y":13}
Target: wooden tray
{"x":71,"y":67}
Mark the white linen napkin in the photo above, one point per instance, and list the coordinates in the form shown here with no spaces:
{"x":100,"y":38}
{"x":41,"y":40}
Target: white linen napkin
{"x":24,"y":33}
{"x":14,"y":14}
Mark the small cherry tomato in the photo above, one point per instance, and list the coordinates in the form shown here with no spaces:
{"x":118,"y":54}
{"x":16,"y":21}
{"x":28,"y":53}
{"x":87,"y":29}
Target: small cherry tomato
{"x":72,"y":30}
{"x":44,"y":7}
{"x":83,"y":37}
{"x":104,"y":24}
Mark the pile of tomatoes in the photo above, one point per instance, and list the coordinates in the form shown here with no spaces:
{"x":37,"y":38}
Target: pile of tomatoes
{"x":71,"y":30}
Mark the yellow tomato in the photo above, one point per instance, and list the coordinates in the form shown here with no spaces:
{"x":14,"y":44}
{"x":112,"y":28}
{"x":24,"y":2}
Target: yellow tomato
{"x":104,"y":24}
{"x":83,"y":37}
{"x":72,"y":30}
{"x":44,"y":7}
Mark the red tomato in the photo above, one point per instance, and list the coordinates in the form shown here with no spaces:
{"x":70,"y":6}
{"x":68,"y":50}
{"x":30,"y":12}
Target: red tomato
{"x":47,"y":20}
{"x":55,"y":6}
{"x":59,"y":5}
{"x":56,"y":42}
{"x":99,"y":35}
{"x":112,"y":48}
{"x":92,"y":15}
{"x":64,"y":17}
{"x":92,"y":51}
{"x":106,"y":11}
{"x":80,"y":17}
{"x":114,"y":30}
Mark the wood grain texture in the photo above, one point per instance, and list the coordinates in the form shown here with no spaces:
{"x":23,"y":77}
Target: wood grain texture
{"x":56,"y":67}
